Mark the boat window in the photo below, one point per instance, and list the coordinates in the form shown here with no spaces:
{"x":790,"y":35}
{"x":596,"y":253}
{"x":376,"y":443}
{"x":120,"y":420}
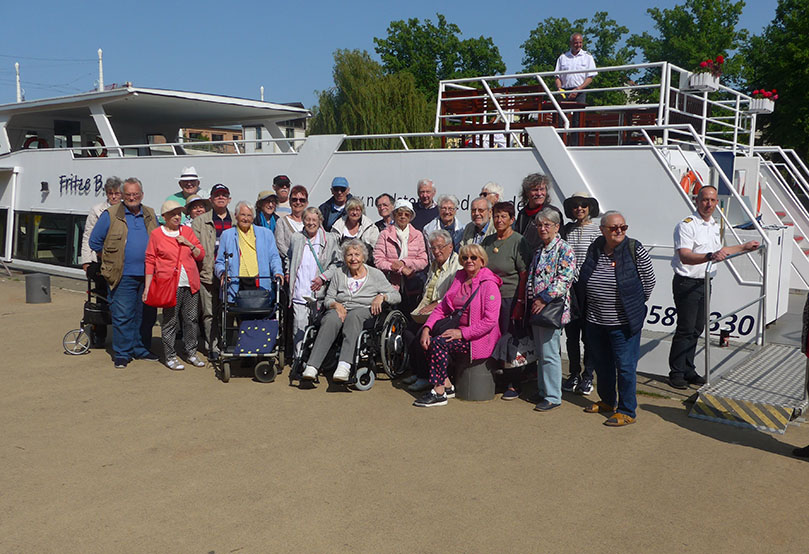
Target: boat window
{"x":158,"y":145}
{"x":67,"y":134}
{"x":49,"y":238}
{"x":3,"y":223}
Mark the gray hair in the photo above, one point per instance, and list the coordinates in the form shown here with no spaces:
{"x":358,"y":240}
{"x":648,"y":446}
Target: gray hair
{"x":312,"y":210}
{"x":536,"y":180}
{"x":427,"y":182}
{"x":359,"y":245}
{"x":494,"y":188}
{"x":246,"y":204}
{"x":355,"y":202}
{"x":607,"y":214}
{"x":440,"y":234}
{"x":134,"y":181}
{"x":444,"y":198}
{"x":113,"y":183}
{"x":489,"y":205}
{"x":550,"y":214}
{"x":576,"y":34}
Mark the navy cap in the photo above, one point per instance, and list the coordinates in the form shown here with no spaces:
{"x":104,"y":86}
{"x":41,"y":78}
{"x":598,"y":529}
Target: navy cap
{"x":219,"y":187}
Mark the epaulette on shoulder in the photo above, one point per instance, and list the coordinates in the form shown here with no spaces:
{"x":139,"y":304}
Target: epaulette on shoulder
{"x":688,"y":219}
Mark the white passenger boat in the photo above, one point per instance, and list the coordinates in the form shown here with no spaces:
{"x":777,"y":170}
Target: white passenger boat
{"x":641,"y":157}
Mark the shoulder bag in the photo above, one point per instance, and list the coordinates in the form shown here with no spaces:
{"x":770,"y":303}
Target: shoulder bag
{"x":453,"y":320}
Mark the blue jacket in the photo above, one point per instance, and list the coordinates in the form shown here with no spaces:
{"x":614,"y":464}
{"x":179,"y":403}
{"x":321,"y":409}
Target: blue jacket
{"x":269,"y":262}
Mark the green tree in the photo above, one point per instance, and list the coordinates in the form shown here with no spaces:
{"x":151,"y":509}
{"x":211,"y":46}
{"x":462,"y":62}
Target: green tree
{"x":364,"y":100}
{"x":692,"y":32}
{"x":778,"y":59}
{"x":432,"y":52}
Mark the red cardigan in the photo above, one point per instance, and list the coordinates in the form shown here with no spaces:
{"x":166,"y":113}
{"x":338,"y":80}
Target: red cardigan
{"x":162,"y":253}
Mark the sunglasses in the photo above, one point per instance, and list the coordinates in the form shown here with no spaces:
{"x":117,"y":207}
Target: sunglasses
{"x":296,"y":199}
{"x":616,"y":228}
{"x":336,"y":190}
{"x":580,"y":205}
{"x":472,"y":257}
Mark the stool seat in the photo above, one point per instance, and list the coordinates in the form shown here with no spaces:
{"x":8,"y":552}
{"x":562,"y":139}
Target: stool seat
{"x":474,"y":381}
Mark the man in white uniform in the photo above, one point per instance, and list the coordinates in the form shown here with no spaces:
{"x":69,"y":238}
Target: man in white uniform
{"x":575,"y":58}
{"x":696,"y":242}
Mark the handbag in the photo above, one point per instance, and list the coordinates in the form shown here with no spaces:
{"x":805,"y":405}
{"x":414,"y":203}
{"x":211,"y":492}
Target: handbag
{"x":164,"y":285}
{"x":551,"y":314}
{"x":515,"y":349}
{"x":453,"y":320}
{"x":258,"y":300}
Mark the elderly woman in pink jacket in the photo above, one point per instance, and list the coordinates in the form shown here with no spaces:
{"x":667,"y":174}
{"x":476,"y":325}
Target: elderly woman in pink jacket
{"x":401,"y":253}
{"x":475,"y":291}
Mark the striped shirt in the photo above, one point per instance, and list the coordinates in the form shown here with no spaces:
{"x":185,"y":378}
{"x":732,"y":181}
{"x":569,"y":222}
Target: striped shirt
{"x":603,"y":303}
{"x":580,"y":237}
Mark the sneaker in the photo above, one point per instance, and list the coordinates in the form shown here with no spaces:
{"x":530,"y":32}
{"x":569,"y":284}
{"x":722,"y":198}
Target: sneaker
{"x":121,"y":363}
{"x":310,"y":373}
{"x":409,"y":380}
{"x":150,"y":357}
{"x":569,"y":384}
{"x":449,"y":392}
{"x":510,"y":394}
{"x":545,"y":406}
{"x":196,"y":362}
{"x":174,"y":364}
{"x":419,"y":385}
{"x":341,"y":374}
{"x":585,"y":386}
{"x":696,"y":379}
{"x":431,"y":399}
{"x":678,"y":382}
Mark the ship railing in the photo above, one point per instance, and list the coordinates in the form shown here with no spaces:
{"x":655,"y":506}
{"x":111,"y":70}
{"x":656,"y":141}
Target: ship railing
{"x":213,"y":147}
{"x":722,"y":119}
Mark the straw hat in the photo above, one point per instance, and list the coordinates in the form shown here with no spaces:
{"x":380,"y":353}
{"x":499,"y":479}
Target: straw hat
{"x":194,"y":198}
{"x":189,"y":174}
{"x":169,"y":206}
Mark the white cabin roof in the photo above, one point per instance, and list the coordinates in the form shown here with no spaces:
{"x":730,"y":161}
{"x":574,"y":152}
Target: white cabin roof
{"x":164,"y":106}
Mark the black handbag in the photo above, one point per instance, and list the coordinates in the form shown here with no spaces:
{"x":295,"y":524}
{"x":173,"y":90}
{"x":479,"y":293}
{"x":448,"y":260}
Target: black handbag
{"x":551,"y":314}
{"x":253,"y":300}
{"x":453,"y":320}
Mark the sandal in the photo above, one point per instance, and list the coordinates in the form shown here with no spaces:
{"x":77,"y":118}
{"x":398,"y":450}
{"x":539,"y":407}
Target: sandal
{"x":174,"y":364}
{"x":196,"y":362}
{"x":599,"y":408}
{"x":619,"y":420}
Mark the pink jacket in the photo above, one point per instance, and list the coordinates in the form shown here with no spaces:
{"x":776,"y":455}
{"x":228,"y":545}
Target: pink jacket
{"x":163,"y":251}
{"x":387,"y":251}
{"x":483,"y":332}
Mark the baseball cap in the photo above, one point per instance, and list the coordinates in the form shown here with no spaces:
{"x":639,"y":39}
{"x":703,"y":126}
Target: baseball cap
{"x":219,"y":187}
{"x":339,"y":183}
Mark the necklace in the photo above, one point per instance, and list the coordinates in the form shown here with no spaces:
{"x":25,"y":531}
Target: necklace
{"x":499,"y":242}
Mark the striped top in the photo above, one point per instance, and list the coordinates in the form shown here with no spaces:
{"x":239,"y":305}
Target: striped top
{"x":580,"y":237}
{"x":603,"y":303}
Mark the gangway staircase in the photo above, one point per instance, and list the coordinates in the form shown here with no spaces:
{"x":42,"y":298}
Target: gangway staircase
{"x":765,"y":391}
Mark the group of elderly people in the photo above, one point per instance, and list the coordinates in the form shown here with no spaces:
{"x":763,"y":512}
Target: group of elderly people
{"x":507,"y":276}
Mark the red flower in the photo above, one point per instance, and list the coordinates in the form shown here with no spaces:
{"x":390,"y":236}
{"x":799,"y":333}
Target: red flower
{"x":703,"y":64}
{"x":720,"y":59}
{"x":774,"y":91}
{"x":775,"y":97}
{"x":767,"y":94}
{"x":755,"y":92}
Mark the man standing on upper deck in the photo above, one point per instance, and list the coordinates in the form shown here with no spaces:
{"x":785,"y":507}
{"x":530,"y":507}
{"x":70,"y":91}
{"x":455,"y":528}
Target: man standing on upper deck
{"x":696,"y":242}
{"x":425,"y":209}
{"x":575,"y":58}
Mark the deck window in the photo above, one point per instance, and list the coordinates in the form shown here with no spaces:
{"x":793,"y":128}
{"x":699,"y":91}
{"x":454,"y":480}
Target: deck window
{"x":49,"y":238}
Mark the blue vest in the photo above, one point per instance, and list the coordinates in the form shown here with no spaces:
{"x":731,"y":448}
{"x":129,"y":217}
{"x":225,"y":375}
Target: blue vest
{"x":630,"y":287}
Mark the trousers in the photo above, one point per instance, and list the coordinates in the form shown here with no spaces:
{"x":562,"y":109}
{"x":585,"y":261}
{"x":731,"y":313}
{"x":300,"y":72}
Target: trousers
{"x":184,"y":313}
{"x":330,"y":327}
{"x":132,"y":320}
{"x":689,"y":299}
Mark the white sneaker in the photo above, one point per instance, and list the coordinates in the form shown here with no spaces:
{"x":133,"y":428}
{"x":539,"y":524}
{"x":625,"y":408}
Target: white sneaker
{"x":196,"y":362}
{"x":310,"y":373}
{"x":342,"y":372}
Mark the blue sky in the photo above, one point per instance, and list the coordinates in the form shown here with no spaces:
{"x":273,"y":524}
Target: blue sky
{"x":233,"y":48}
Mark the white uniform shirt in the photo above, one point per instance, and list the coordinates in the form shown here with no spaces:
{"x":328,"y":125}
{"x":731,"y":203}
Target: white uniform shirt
{"x":568,"y":62}
{"x":701,"y":237}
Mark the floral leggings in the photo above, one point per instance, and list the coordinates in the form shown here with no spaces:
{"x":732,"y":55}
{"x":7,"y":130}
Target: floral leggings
{"x":438,"y":356}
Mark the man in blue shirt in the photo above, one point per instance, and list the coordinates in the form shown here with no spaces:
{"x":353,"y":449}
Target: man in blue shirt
{"x":120,"y":238}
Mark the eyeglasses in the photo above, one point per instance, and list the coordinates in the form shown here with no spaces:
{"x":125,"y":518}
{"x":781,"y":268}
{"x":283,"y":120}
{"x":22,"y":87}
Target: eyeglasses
{"x":580,"y":205}
{"x":132,"y":195}
{"x":472,"y":257}
{"x":336,"y":190}
{"x":285,"y":186}
{"x":439,"y":248}
{"x":478,"y":211}
{"x":546,"y":224}
{"x":296,"y":199}
{"x":449,"y":209}
{"x":616,"y":228}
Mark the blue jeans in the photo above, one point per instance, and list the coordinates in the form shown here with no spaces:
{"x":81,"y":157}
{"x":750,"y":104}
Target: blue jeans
{"x":549,"y":363}
{"x":614,"y":353}
{"x":132,"y":320}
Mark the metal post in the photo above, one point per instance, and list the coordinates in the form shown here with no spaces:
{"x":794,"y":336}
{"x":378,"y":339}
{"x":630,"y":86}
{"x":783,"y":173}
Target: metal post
{"x":762,"y":309}
{"x":19,"y":88}
{"x":708,"y":323}
{"x":100,"y":72}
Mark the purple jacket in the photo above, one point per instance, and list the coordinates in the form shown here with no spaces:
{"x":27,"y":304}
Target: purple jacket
{"x":483,"y":332}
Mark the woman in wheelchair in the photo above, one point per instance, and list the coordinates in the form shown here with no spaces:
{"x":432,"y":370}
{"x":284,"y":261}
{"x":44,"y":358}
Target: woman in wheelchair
{"x":250,"y":254}
{"x":355,"y":294}
{"x":475,"y":293}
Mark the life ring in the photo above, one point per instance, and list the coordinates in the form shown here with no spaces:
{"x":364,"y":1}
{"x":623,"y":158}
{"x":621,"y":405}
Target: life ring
{"x":99,"y":152}
{"x":41,"y":143}
{"x":691,"y":182}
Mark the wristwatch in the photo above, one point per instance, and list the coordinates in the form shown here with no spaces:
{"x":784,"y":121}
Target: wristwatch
{"x":709,"y":256}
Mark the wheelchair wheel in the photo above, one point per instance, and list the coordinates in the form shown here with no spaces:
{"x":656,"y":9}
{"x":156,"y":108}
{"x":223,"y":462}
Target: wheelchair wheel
{"x":265,"y":371}
{"x":225,"y":372}
{"x":392,"y":346}
{"x":365,"y":378}
{"x":76,"y":342}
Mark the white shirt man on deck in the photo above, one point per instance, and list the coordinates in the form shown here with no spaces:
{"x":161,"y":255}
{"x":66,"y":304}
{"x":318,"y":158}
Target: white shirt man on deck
{"x":575,"y":58}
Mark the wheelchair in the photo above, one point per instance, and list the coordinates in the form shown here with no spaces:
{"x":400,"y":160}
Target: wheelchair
{"x":380,"y":343}
{"x":251,"y":331}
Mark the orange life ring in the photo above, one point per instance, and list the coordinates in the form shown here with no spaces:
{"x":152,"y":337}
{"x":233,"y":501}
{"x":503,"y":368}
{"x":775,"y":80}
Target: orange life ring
{"x":41,"y":143}
{"x":99,"y":153}
{"x":691,"y":182}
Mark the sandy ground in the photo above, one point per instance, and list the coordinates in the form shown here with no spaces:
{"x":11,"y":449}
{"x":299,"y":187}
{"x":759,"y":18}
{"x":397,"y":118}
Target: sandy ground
{"x":147,"y":460}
